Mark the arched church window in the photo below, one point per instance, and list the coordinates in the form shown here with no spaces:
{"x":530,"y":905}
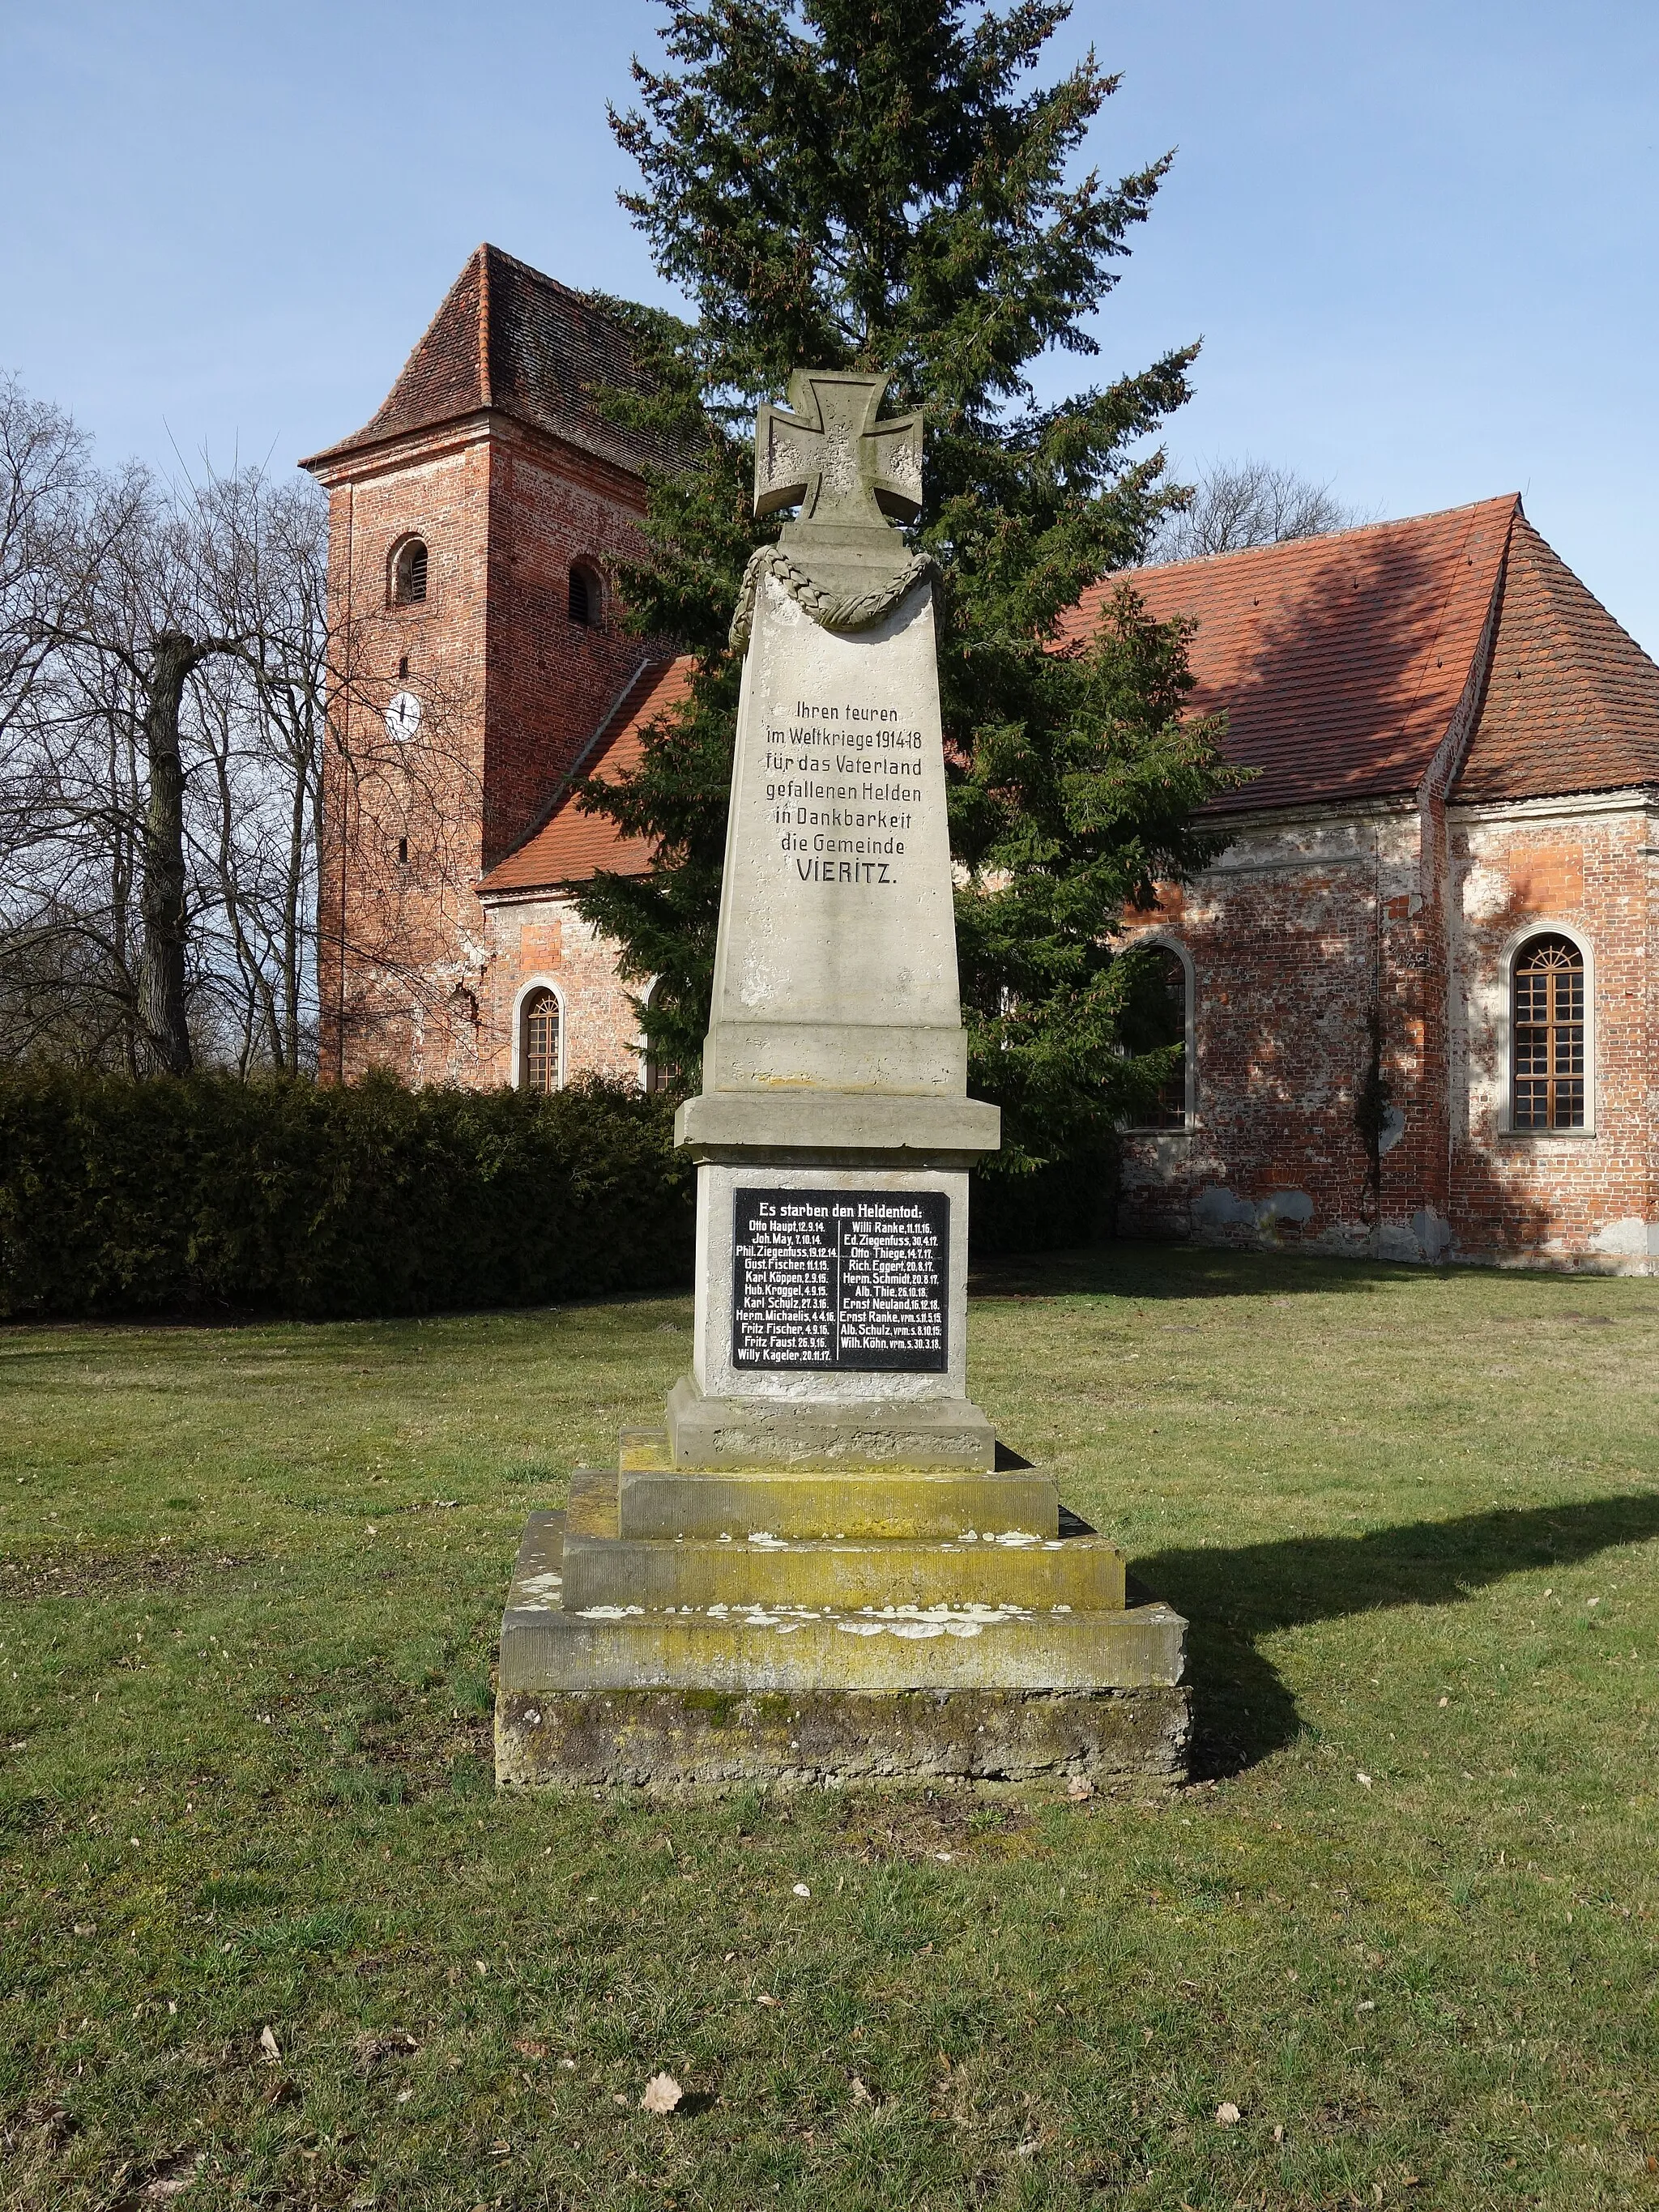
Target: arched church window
{"x":409,"y":571}
{"x":587,"y":595}
{"x":539,"y":1056}
{"x":1548,"y":1034}
{"x":1156,"y":1017}
{"x":658,"y":1071}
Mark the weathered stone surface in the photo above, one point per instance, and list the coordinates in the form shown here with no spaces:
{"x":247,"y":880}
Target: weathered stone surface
{"x":835,"y":965}
{"x":908,"y":1434}
{"x":925,"y":1508}
{"x":832,"y":1121}
{"x":846,"y":1574}
{"x":676,"y":1739}
{"x":756,"y":1646}
{"x":818,"y":1571}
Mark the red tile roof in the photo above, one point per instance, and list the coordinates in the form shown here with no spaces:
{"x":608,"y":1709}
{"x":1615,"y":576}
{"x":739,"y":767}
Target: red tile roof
{"x":1338,"y":660}
{"x":1572,"y":702}
{"x":509,"y":339}
{"x":571,"y":846}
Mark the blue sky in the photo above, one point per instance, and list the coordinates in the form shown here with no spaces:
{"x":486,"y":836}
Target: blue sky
{"x":1419,"y":241}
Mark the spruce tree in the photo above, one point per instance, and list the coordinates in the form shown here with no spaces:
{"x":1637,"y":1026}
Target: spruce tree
{"x":876,"y":184}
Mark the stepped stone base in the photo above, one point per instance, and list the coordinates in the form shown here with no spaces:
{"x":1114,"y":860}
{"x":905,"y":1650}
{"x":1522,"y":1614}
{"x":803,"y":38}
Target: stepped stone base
{"x":671,"y":1663}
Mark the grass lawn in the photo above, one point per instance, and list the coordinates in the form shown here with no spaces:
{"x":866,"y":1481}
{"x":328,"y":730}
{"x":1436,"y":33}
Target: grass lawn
{"x":1404,"y":1922}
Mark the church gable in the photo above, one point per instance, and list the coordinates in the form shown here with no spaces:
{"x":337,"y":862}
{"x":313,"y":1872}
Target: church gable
{"x":1572,"y":701}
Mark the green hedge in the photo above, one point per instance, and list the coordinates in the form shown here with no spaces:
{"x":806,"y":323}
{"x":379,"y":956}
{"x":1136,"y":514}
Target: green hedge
{"x":201,"y":1194}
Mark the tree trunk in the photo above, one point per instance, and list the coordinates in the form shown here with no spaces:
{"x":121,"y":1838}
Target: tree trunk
{"x":162,"y":897}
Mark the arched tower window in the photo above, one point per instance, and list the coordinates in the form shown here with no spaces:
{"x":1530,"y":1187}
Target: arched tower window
{"x":409,"y":569}
{"x":1547,"y":1028}
{"x":538,"y":1060}
{"x":1159,"y":1015}
{"x":587,"y":595}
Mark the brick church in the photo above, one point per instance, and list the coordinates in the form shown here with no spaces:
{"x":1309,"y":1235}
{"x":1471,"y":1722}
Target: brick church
{"x":1438,"y":902}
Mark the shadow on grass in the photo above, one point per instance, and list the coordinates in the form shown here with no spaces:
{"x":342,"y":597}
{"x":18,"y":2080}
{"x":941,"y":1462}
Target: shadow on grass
{"x":1233,"y":1597}
{"x":1150,"y":1271}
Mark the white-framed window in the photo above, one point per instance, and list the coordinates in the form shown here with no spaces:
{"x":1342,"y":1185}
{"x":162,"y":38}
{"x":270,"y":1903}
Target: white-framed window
{"x":1163,"y":1014}
{"x":539,"y":1039}
{"x":1549,"y":1044}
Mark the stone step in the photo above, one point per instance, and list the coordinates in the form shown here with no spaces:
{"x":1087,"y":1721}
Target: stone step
{"x":688,"y":1740}
{"x":865,"y":1435}
{"x":1076,"y":1573}
{"x":654,"y":1502}
{"x":593,"y":1508}
{"x":788,"y":1647}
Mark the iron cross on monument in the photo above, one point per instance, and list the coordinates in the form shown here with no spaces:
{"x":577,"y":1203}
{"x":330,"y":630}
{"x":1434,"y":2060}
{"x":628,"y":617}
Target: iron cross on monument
{"x":832,"y":459}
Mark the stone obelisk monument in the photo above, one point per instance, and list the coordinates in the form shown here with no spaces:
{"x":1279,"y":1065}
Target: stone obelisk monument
{"x":817,"y":1569}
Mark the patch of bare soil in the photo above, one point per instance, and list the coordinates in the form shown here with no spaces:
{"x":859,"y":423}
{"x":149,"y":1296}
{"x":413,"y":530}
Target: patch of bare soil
{"x":77,"y":1570}
{"x":879,"y":1830}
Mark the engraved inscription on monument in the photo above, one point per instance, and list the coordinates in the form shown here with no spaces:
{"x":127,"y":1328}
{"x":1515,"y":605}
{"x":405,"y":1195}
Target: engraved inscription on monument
{"x":841,"y":1278}
{"x":869,"y":765}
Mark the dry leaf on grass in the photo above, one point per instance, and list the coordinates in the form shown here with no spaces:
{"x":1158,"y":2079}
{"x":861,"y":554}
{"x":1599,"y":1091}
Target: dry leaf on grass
{"x":173,"y":2178}
{"x":271,"y":2047}
{"x":1227,"y":2116}
{"x":371,"y":2048}
{"x":662,"y":2093}
{"x":1080,"y":1788}
{"x":860,"y":2094}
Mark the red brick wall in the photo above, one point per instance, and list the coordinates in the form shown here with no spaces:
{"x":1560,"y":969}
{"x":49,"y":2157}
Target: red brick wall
{"x":1282,"y":936}
{"x":1288,"y":935}
{"x":510,"y":689}
{"x":545,"y":941}
{"x":396,"y":971}
{"x":550,"y":680}
{"x":1556,"y":1197}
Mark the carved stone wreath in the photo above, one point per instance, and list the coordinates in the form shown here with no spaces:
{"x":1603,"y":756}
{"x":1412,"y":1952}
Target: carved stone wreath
{"x":830,"y":610}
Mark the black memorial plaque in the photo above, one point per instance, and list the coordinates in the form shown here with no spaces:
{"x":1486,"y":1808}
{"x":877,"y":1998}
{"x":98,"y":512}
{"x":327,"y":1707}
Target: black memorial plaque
{"x":841,"y":1280}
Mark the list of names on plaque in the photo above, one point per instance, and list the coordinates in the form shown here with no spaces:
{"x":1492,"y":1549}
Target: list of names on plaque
{"x":841,"y":1279}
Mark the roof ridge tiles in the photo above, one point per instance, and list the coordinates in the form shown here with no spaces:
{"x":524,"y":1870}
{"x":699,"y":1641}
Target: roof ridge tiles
{"x":1327,"y":538}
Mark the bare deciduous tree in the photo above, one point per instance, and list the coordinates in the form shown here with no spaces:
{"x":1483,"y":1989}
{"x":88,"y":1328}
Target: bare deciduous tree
{"x":171,"y":691}
{"x":1236,"y":505}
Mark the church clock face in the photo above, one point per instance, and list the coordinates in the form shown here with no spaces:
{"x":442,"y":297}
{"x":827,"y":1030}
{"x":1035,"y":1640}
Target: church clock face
{"x":403,"y":715}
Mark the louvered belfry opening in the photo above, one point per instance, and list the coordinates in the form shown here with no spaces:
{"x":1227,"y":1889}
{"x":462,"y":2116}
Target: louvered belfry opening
{"x":1549,"y":1035}
{"x":585,"y":597}
{"x":541,"y":1043}
{"x":409,"y":573}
